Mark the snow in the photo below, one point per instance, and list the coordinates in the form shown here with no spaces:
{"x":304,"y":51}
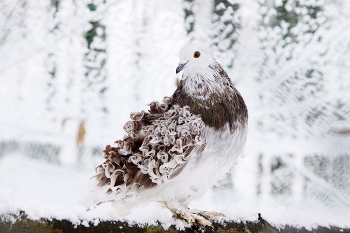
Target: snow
{"x":49,"y":191}
{"x":141,"y":54}
{"x":44,"y":190}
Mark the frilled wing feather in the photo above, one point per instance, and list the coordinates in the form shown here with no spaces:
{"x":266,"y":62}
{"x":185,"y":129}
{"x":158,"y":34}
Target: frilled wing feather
{"x":156,"y":148}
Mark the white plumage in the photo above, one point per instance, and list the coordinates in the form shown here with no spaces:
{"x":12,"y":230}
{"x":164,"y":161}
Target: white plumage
{"x":180,"y":148}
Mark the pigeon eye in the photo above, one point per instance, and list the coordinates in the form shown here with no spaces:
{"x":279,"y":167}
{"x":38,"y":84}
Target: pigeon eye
{"x":196,"y":54}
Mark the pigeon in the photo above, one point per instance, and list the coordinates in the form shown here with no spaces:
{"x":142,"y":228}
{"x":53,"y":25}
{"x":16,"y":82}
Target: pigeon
{"x":182,"y":146}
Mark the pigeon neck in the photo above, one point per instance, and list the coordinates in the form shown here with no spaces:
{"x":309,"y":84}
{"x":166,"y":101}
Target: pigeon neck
{"x":201,"y":85}
{"x":212,"y":95}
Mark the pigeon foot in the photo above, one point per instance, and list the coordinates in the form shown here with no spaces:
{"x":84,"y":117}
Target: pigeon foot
{"x":198,"y":217}
{"x":193,"y":217}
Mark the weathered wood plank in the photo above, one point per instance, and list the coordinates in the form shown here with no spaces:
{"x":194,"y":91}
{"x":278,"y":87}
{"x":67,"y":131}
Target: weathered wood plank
{"x":24,"y":224}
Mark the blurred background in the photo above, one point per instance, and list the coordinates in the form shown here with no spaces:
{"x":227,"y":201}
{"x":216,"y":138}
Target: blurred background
{"x":71,"y":71}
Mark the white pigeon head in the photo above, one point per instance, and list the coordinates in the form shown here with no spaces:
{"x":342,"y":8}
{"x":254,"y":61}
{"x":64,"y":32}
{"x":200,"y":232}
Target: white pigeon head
{"x":194,"y":57}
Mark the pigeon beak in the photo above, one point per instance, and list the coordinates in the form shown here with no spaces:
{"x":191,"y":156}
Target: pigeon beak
{"x":181,"y":65}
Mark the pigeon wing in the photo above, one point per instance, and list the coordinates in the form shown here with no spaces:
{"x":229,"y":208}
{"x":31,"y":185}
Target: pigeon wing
{"x":156,"y":148}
